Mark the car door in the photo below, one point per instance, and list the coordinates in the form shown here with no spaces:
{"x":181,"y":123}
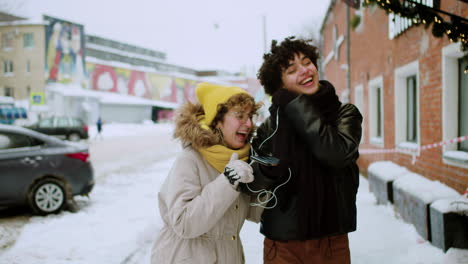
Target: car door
{"x":21,"y":161}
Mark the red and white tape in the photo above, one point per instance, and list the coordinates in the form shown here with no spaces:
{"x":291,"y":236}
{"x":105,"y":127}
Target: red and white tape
{"x":414,"y":151}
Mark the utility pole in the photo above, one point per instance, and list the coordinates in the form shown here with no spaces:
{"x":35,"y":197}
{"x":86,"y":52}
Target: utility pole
{"x":348,"y":53}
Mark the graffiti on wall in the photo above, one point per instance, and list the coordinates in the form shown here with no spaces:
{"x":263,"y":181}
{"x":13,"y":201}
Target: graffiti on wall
{"x":65,"y":58}
{"x":142,"y":84}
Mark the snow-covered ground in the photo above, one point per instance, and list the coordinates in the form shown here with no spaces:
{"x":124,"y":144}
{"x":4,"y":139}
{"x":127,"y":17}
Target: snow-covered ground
{"x":120,"y":220}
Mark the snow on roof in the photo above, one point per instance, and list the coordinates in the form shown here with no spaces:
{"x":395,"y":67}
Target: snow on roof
{"x":452,"y":205}
{"x":425,"y":189}
{"x":28,"y":22}
{"x":386,"y":170}
{"x":74,"y":90}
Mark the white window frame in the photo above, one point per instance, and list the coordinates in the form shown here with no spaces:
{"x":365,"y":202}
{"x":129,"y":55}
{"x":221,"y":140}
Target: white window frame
{"x":8,"y":68}
{"x":7,"y":41}
{"x":373,"y":85}
{"x":401,"y":74}
{"x":450,"y":153}
{"x":32,"y":40}
{"x":359,"y":103}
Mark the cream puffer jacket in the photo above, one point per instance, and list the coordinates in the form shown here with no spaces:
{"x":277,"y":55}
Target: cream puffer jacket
{"x":202,"y":213}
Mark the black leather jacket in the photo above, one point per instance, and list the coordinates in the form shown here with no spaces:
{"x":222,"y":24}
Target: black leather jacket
{"x":332,"y":175}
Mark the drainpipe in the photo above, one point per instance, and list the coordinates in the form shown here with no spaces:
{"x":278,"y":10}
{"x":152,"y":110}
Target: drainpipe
{"x":348,"y":56}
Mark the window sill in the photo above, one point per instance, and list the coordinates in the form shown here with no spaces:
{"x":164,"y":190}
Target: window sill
{"x":410,"y":147}
{"x":378,"y":141}
{"x":456,"y":158}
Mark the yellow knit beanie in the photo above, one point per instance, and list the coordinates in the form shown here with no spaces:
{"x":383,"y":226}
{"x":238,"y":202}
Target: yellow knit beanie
{"x":210,"y":95}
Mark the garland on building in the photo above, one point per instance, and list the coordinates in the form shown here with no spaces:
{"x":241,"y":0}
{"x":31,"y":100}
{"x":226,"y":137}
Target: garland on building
{"x":455,"y":28}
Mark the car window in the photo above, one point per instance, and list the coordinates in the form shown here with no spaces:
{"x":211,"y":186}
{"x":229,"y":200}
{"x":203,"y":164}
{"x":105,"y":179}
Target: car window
{"x":13,"y":140}
{"x":4,"y":141}
{"x":46,"y":122}
{"x":76,"y":122}
{"x":62,"y":122}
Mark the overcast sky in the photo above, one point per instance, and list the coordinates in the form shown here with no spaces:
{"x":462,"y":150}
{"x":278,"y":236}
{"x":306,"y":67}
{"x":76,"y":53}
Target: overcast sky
{"x":203,"y":34}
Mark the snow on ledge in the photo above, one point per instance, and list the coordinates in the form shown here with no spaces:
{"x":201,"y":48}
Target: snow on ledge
{"x":425,"y":189}
{"x":457,"y":155}
{"x":386,"y":170}
{"x":458,"y":205}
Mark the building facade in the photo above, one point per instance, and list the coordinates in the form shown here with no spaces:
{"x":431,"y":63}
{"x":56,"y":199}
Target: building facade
{"x":409,"y":85}
{"x":22,"y":56}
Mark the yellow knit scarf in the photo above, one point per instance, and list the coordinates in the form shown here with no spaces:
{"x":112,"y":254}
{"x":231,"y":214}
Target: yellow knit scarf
{"x":218,"y":155}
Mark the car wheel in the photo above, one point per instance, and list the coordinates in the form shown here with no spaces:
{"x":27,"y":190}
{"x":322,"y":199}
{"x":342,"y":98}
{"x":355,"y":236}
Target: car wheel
{"x":74,"y":137}
{"x":47,"y":196}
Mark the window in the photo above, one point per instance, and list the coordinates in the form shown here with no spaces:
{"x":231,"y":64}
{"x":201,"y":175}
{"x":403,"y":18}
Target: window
{"x":9,"y":91}
{"x":359,"y":103}
{"x":28,"y":40}
{"x":463,"y":104}
{"x":376,"y":106}
{"x":411,"y":113}
{"x":454,"y":105}
{"x":75,"y":122}
{"x":46,"y":123}
{"x":62,"y":122}
{"x":28,"y":66}
{"x":8,"y":67}
{"x":407,"y":106}
{"x":7,"y":40}
{"x":12,"y":141}
{"x":5,"y":141}
{"x":379,"y":111}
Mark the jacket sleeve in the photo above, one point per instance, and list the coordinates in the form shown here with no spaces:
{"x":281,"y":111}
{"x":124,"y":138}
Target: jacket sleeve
{"x":193,"y":209}
{"x":335,"y":144}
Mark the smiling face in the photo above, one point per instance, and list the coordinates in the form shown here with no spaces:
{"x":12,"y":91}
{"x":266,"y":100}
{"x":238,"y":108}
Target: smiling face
{"x":236,"y":126}
{"x":300,"y":76}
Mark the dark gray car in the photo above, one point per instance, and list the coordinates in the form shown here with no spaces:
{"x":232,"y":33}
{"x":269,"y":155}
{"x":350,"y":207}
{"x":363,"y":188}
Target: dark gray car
{"x":41,"y":171}
{"x":65,"y":127}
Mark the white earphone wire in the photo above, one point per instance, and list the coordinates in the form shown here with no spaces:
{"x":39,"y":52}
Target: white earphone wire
{"x":264,"y":191}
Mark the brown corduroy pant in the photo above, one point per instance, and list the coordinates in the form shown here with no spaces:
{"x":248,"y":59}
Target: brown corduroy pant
{"x":327,"y":250}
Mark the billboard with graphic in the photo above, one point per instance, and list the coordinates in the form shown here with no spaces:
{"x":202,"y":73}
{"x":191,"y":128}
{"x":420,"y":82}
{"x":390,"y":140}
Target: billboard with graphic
{"x":65,"y":51}
{"x":139,"y":83}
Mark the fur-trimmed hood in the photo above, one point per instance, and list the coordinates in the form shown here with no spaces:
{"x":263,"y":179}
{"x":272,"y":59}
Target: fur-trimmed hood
{"x":188,"y":129}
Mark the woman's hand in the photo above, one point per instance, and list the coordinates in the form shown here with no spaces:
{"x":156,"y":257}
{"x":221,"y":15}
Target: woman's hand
{"x":238,"y":171}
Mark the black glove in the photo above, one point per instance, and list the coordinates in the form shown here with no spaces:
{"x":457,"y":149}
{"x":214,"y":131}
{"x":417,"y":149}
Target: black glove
{"x":325,"y":99}
{"x":282,"y":97}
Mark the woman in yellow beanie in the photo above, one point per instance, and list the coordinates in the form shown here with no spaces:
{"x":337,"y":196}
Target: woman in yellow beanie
{"x":199,"y":202}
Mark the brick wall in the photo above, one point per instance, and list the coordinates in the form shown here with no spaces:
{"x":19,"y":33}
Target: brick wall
{"x":373,"y":54}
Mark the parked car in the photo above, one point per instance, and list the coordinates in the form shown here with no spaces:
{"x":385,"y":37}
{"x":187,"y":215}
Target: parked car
{"x":65,"y":127}
{"x":41,"y":171}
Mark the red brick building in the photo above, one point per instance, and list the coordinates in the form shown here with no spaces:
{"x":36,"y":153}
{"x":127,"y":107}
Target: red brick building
{"x":409,"y":85}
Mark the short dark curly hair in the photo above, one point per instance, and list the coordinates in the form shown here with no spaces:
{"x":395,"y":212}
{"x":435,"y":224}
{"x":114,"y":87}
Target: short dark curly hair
{"x":278,"y":59}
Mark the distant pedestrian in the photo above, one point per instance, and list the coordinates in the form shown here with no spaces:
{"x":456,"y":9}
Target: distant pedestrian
{"x":99,"y":127}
